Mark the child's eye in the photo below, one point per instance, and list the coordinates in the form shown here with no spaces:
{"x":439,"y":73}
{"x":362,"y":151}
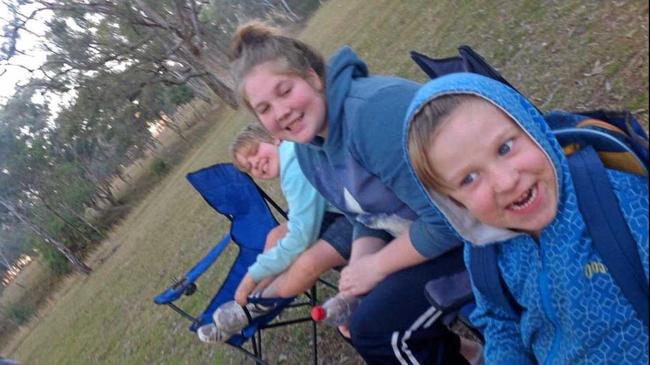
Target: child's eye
{"x":505,"y":148}
{"x":262,"y":109}
{"x":284,"y":91}
{"x":468,"y":179}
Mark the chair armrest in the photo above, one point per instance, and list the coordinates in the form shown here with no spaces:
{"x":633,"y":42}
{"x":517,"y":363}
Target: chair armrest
{"x":177,"y":290}
{"x":449,"y":293}
{"x":452,"y":296}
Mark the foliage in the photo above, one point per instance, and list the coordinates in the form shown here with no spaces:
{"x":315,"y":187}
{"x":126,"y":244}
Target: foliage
{"x":20,"y":314}
{"x":121,"y":67}
{"x":178,"y":95}
{"x":54,"y":260}
{"x":159,"y":167}
{"x":177,"y":42}
{"x":14,"y":243}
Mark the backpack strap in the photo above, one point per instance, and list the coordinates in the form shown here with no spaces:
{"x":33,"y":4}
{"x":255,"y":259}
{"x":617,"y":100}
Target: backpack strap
{"x":608,"y":229}
{"x":486,"y":278}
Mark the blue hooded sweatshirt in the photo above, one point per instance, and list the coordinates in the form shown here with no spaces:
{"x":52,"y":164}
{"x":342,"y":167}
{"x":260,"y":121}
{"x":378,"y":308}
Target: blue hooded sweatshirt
{"x":360,"y":168}
{"x":571,"y":314}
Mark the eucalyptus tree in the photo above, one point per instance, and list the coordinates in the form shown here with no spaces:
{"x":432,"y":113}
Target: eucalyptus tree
{"x":166,"y":39}
{"x":26,"y":166}
{"x":120,"y":65}
{"x":174,"y":41}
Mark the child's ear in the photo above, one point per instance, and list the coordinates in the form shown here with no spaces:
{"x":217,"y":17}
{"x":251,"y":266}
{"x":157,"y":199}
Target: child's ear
{"x":314,"y":80}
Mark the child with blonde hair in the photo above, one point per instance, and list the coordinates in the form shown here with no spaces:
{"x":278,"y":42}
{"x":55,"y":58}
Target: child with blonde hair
{"x":493,"y":167}
{"x":314,"y":239}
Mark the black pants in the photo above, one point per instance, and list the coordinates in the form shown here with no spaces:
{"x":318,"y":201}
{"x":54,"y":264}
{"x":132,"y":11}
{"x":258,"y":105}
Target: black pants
{"x":395,"y":324}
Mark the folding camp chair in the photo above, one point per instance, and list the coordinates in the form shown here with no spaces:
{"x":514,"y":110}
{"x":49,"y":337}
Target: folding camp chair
{"x":452,"y":295}
{"x":236,"y":196}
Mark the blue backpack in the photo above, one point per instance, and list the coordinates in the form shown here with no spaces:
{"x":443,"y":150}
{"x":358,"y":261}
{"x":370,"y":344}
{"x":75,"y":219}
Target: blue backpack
{"x":593,"y":142}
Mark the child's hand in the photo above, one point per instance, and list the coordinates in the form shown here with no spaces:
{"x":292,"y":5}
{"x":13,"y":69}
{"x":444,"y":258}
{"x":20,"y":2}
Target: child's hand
{"x":244,"y":289}
{"x":360,"y":276}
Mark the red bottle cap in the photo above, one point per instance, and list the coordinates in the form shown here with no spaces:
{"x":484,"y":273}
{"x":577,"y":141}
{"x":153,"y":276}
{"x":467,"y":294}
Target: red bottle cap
{"x":318,"y":313}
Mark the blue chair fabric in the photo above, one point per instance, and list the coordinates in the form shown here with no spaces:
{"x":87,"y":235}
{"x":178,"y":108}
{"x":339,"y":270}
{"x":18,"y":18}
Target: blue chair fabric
{"x":236,"y":196}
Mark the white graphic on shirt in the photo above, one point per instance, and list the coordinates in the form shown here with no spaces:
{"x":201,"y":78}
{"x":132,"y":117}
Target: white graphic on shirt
{"x":391,"y":223}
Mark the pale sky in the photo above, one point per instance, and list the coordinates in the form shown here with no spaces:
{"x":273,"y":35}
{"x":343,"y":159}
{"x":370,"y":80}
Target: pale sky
{"x":26,"y":43}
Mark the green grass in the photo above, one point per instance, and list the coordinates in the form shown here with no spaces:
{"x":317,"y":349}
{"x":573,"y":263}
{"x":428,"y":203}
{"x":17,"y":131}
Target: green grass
{"x":546,"y":49}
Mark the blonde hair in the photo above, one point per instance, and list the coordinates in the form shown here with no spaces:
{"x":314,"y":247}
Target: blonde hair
{"x":424,"y":125}
{"x":255,"y":43}
{"x":247,"y":141}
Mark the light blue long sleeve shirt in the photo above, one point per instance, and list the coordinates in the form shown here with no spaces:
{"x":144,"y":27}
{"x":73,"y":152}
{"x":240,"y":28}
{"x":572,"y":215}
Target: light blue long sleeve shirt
{"x":306,"y":210}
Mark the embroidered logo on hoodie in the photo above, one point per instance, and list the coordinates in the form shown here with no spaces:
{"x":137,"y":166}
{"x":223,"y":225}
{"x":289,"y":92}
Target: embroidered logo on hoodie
{"x":594,"y":267}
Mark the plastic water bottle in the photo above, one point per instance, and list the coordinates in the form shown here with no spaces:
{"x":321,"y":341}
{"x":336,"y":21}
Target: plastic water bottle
{"x":336,"y":310}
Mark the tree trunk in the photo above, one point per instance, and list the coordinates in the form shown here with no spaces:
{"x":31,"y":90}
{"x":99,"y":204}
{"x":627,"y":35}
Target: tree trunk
{"x":76,"y":262}
{"x":293,"y":16}
{"x":123,"y":179}
{"x":66,"y":221}
{"x":192,"y":54}
{"x":83,"y":219}
{"x":169,"y":123}
{"x":200,"y":63}
{"x":104,"y":192}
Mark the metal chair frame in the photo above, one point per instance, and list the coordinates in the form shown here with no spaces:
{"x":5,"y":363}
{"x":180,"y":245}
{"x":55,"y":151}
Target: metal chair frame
{"x":308,"y":299}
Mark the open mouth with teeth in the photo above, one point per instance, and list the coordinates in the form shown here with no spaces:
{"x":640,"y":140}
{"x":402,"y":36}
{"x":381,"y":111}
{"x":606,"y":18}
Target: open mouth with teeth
{"x":526,"y":200}
{"x":294,"y":124}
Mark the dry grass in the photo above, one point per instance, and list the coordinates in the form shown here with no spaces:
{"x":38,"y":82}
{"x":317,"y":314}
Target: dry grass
{"x":572,"y":55}
{"x":566,"y":54}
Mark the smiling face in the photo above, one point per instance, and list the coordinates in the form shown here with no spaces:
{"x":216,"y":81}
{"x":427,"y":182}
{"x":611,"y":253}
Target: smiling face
{"x":262,"y":162}
{"x":492,"y":167}
{"x":290,"y":107}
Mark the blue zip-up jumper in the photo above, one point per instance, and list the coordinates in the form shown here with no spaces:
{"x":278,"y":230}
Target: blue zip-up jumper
{"x":572,"y":310}
{"x":360,"y":170}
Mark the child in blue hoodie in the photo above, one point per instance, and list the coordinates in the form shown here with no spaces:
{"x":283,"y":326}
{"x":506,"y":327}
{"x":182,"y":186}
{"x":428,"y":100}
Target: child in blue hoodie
{"x":347,"y":125}
{"x":494,"y":169}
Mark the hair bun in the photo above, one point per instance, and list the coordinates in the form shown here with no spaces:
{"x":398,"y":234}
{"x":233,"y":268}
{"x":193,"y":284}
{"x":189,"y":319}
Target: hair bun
{"x":250,"y":34}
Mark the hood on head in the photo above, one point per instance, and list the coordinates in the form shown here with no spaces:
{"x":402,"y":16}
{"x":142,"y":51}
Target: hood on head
{"x":513,"y":104}
{"x":342,"y":68}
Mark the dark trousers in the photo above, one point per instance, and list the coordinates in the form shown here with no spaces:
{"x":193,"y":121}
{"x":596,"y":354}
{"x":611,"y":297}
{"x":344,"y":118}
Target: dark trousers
{"x":395,"y":324}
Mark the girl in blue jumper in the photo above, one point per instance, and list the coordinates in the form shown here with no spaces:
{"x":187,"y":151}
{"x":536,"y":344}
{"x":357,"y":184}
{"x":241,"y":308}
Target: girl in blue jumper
{"x":495,"y":170}
{"x":348,"y":126}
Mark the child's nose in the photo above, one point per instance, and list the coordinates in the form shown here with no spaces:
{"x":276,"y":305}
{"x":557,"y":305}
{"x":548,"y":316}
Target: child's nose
{"x":252,"y":161}
{"x":505,"y":179}
{"x":281,"y":112}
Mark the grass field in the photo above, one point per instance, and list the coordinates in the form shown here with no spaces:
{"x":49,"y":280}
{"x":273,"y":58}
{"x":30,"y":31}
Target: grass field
{"x":569,"y":54}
